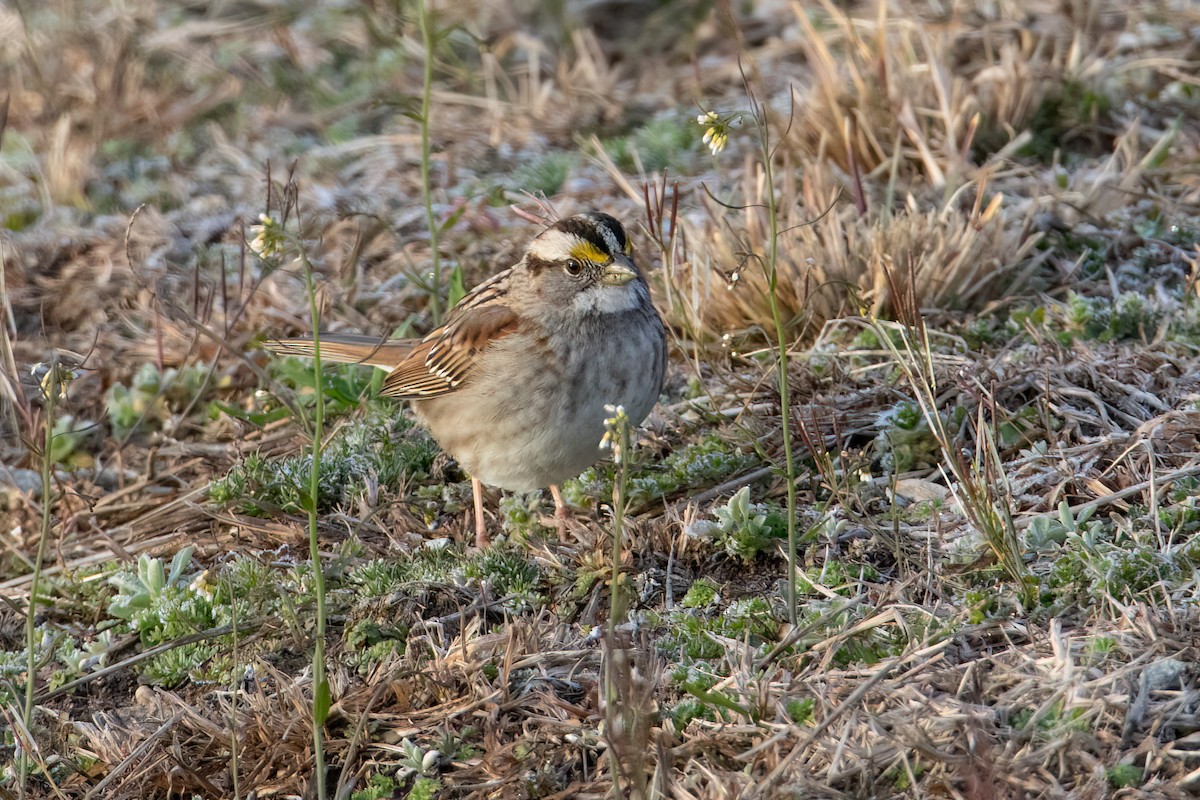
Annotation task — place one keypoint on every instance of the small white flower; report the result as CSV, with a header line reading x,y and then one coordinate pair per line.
x,y
614,426
268,237
47,374
203,585
716,134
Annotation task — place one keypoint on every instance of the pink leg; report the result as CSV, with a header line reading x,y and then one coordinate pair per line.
x,y
481,537
562,514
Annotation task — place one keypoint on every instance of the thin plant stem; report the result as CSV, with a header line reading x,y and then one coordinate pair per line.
x,y
321,699
772,270
617,615
429,40
236,690
51,387
618,430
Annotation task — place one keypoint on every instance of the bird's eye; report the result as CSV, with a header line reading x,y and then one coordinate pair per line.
x,y
574,267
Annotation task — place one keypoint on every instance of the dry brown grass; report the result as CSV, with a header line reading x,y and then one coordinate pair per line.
x,y
896,151
834,259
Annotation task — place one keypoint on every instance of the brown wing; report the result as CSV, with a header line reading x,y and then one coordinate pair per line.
x,y
440,362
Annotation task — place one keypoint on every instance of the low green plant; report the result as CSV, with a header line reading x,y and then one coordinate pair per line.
x,y
755,617
151,398
800,710
422,763
382,447
979,480
69,433
1097,562
690,708
1057,122
687,637
343,386
702,686
705,462
381,577
370,643
1127,317
143,589
544,175
905,441
743,529
511,574
379,787
1049,531
835,575
662,144
521,515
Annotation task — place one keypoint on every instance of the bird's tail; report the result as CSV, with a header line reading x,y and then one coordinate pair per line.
x,y
347,349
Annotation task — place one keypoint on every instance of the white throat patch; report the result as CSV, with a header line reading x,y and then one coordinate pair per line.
x,y
606,299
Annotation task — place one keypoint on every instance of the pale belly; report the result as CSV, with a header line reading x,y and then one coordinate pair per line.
x,y
519,425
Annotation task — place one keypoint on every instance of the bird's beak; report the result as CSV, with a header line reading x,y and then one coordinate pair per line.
x,y
619,272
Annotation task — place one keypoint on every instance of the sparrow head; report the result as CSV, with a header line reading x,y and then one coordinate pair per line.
x,y
585,261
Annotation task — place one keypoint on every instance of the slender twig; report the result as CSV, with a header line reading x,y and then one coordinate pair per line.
x,y
321,698
618,714
771,265
429,41
52,388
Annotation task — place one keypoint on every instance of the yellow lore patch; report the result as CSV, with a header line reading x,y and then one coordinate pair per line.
x,y
586,251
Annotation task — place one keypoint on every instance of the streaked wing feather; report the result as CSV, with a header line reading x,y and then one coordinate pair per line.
x,y
443,360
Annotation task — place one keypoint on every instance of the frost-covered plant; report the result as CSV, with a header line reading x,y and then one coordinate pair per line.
x,y
138,592
151,397
1047,532
743,529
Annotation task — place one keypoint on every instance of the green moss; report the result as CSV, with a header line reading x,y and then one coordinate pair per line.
x,y
1125,776
702,593
800,711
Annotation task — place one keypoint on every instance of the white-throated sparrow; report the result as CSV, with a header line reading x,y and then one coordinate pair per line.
x,y
514,384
